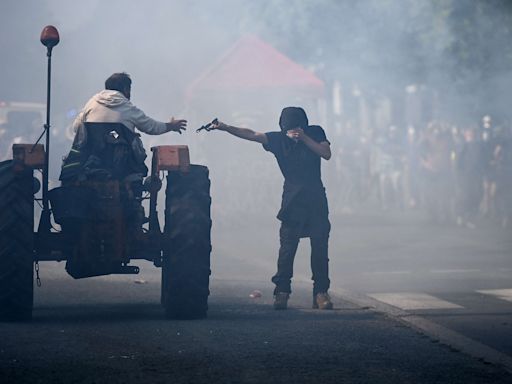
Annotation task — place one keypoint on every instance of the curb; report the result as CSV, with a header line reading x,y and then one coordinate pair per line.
x,y
433,330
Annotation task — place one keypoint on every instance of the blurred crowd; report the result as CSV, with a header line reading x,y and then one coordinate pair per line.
x,y
457,175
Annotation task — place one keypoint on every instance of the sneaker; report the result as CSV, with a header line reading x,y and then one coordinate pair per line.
x,y
322,301
281,300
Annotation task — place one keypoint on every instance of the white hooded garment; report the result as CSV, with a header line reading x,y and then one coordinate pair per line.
x,y
110,106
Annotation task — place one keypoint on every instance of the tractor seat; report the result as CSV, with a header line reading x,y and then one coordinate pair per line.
x,y
110,151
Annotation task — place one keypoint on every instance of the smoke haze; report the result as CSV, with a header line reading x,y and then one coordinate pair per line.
x,y
400,64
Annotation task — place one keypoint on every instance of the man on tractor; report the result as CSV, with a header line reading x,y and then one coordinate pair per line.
x,y
113,105
107,148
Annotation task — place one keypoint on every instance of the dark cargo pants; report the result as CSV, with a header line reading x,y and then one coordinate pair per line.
x,y
289,241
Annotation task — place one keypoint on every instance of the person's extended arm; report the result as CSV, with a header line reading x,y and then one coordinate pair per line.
x,y
243,133
322,149
150,126
176,125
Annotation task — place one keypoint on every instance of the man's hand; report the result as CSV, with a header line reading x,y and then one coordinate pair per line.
x,y
321,149
296,134
176,125
219,125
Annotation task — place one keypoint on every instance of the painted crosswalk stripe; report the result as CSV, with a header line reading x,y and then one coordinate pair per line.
x,y
387,273
448,271
504,294
409,301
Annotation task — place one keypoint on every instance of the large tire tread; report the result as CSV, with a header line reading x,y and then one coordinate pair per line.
x,y
16,243
186,264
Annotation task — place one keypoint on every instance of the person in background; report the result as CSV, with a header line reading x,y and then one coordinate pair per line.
x,y
436,167
503,159
470,176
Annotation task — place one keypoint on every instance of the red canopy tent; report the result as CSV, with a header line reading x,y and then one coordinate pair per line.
x,y
248,86
252,65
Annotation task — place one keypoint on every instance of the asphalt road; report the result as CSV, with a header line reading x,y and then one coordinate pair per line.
x,y
112,329
457,277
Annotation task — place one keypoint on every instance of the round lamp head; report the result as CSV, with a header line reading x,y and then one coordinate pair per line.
x,y
50,36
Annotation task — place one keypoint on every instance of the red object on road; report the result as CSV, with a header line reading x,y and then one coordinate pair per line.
x,y
256,294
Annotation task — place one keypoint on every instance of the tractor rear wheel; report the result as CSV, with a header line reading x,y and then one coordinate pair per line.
x,y
186,256
16,243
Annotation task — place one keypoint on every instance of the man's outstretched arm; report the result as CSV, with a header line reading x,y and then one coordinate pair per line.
x,y
243,133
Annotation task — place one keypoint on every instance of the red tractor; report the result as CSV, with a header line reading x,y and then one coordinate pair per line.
x,y
102,222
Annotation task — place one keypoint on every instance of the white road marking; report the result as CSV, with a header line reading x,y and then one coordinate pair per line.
x,y
408,301
503,294
454,270
439,271
431,329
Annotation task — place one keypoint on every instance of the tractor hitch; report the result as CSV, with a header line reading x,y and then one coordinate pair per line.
x,y
127,270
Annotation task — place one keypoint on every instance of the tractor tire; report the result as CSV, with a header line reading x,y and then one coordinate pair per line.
x,y
16,243
187,248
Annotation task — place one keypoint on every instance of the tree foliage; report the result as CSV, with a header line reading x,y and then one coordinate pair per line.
x,y
462,48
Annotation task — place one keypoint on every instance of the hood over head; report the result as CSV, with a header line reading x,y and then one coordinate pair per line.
x,y
293,117
111,98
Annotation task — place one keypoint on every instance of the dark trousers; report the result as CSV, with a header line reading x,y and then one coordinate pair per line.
x,y
289,239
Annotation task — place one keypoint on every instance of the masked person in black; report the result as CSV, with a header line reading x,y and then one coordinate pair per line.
x,y
298,149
